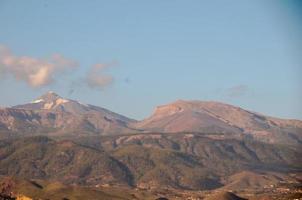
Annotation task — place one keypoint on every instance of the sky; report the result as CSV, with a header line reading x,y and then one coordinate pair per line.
x,y
131,56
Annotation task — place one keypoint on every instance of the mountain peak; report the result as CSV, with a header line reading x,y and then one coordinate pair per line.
x,y
49,100
49,96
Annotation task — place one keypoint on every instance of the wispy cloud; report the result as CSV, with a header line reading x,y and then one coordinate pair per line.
x,y
237,91
39,72
97,78
35,72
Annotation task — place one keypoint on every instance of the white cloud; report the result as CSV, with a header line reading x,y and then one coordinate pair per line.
x,y
34,71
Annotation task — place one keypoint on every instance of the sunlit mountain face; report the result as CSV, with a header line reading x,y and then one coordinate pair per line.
x,y
52,114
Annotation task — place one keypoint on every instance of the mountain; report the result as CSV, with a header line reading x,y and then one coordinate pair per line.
x,y
223,119
53,102
183,146
52,114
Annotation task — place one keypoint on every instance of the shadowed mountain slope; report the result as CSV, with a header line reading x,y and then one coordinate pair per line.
x,y
40,157
162,160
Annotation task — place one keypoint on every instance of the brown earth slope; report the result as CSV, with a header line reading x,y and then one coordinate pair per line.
x,y
220,118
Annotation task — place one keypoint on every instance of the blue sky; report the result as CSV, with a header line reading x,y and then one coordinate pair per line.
x,y
242,52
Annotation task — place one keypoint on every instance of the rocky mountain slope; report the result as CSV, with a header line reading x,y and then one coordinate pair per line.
x,y
223,119
51,114
166,161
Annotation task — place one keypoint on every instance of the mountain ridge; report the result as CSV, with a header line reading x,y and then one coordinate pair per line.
x,y
52,114
217,117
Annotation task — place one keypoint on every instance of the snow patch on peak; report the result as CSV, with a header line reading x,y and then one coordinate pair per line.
x,y
83,104
48,106
55,103
37,101
61,101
